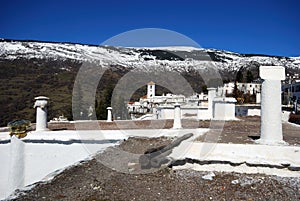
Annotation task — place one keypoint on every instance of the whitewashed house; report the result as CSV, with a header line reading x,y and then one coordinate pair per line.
x,y
195,106
251,88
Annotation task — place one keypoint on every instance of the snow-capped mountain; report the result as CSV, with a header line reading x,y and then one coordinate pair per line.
x,y
170,58
30,68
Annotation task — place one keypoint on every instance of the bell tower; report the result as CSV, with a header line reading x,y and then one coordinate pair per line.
x,y
150,89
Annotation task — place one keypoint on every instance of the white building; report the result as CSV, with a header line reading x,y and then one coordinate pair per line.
x,y
291,91
152,106
150,102
251,88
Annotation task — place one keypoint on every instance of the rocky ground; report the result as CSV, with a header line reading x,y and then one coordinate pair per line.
x,y
105,179
93,181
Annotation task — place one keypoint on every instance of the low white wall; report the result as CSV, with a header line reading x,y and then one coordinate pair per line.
x,y
250,111
189,113
223,108
186,113
224,111
166,113
254,154
41,159
247,110
254,112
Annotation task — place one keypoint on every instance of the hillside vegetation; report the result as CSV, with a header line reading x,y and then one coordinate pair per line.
x,y
30,68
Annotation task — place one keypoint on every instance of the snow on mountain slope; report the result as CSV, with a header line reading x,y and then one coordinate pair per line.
x,y
169,58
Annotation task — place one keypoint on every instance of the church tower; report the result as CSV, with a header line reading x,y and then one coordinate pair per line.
x,y
151,90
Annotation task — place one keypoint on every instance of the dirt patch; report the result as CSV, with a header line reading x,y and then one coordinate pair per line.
x,y
118,125
139,145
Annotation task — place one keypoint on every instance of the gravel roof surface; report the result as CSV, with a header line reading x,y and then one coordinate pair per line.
x,y
95,180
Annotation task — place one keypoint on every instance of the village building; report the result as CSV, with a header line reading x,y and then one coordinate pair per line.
x,y
151,103
196,106
291,90
246,88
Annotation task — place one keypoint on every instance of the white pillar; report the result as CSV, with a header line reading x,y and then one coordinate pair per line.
x,y
211,96
40,104
271,126
258,98
177,116
17,164
109,114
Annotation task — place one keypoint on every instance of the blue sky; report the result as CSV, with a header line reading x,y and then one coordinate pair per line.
x,y
266,27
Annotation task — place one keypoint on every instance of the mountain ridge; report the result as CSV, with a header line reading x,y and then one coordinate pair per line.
x,y
158,47
173,58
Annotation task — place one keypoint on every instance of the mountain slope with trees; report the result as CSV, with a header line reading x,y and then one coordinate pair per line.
x,y
29,69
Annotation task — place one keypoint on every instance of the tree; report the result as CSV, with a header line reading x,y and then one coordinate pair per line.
x,y
239,76
103,102
249,77
119,108
204,89
77,103
237,94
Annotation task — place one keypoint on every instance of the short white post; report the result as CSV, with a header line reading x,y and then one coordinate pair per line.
x,y
40,104
271,125
154,109
109,114
211,96
177,116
